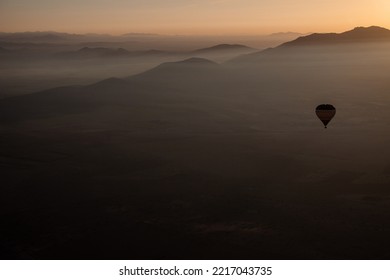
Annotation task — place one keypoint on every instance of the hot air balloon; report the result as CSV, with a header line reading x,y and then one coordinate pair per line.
x,y
325,112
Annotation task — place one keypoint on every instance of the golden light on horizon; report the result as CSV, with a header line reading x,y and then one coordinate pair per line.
x,y
192,17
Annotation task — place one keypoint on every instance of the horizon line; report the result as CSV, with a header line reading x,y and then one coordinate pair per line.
x,y
146,34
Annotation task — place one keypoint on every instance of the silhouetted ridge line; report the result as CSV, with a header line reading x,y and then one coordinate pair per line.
x,y
224,47
100,50
191,68
347,41
194,60
191,62
358,34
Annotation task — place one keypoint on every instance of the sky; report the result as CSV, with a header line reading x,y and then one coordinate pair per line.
x,y
192,17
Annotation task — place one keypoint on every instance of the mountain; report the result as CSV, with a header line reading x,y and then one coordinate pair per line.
x,y
155,83
102,52
357,35
352,41
225,48
193,61
222,52
191,68
208,53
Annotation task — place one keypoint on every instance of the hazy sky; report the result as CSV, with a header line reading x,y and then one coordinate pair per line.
x,y
206,17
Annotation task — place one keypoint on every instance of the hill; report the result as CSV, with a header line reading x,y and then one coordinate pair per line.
x,y
159,81
102,52
225,48
191,68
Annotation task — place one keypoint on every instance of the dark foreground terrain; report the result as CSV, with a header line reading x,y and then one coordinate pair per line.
x,y
197,160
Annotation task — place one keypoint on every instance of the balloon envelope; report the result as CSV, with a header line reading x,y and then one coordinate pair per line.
x,y
325,112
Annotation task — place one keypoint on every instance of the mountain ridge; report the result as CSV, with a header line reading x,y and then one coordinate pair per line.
x,y
224,47
356,35
184,68
350,39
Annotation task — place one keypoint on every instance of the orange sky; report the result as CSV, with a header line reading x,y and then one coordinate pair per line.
x,y
200,17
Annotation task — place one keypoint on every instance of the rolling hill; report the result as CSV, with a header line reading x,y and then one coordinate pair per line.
x,y
225,48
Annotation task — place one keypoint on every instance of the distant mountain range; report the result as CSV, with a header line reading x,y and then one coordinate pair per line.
x,y
172,80
49,41
54,37
349,40
89,52
357,35
225,47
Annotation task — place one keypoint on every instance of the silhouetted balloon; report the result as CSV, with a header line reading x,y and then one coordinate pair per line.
x,y
325,112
